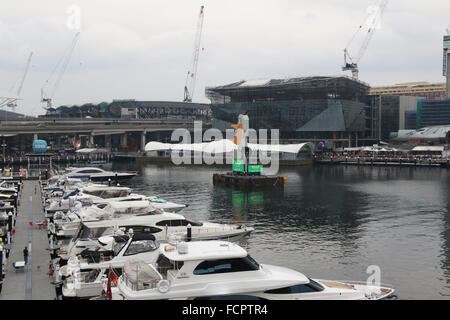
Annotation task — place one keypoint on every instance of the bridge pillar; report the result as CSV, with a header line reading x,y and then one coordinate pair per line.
x,y
91,140
143,140
123,140
108,142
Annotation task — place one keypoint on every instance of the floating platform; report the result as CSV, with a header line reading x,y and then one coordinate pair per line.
x,y
248,181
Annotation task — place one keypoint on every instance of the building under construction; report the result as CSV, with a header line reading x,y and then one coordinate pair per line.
x,y
330,109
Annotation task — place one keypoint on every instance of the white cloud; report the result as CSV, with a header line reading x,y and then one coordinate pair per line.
x,y
142,49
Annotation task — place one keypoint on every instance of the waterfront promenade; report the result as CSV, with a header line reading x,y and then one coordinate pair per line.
x,y
32,282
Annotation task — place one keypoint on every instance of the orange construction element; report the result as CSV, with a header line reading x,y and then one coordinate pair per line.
x,y
238,135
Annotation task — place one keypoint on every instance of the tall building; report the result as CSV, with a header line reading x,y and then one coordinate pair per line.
x,y
434,112
410,120
419,89
333,109
446,67
390,113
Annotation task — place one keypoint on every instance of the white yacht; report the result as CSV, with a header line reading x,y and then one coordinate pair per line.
x,y
218,270
88,194
67,225
161,224
94,195
97,174
4,220
85,272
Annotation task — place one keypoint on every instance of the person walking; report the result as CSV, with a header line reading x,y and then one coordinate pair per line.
x,y
25,255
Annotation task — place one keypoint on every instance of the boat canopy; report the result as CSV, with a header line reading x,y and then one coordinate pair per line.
x,y
107,192
138,272
118,208
204,250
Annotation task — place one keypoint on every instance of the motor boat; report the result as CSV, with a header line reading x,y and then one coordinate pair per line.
x,y
4,221
95,195
162,224
84,273
218,270
68,225
88,195
97,174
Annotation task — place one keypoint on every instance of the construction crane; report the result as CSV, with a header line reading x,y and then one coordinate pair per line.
x,y
11,102
62,64
189,86
371,22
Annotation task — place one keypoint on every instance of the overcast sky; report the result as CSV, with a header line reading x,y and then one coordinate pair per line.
x,y
141,49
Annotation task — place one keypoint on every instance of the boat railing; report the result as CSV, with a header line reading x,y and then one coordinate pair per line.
x,y
366,283
82,277
139,285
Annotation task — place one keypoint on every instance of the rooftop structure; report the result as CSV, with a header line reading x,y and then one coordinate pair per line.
x,y
420,89
204,250
288,89
433,134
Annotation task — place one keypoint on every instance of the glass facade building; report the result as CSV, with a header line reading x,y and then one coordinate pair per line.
x,y
434,112
410,120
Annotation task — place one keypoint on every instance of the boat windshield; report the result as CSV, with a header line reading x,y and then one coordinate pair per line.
x,y
117,247
252,261
226,265
316,285
95,233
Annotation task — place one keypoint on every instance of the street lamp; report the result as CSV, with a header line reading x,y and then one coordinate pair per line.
x,y
4,146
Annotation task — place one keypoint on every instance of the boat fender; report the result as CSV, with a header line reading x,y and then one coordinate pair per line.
x,y
163,286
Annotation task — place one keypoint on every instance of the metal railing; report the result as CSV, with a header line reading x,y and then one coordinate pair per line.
x,y
138,285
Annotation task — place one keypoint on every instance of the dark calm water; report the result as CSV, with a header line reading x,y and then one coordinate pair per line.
x,y
330,222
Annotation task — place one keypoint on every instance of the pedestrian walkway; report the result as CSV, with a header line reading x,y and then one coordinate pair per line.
x,y
32,282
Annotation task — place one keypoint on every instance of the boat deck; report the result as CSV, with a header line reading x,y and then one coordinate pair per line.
x,y
32,282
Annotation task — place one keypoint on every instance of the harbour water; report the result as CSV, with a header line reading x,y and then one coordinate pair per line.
x,y
330,222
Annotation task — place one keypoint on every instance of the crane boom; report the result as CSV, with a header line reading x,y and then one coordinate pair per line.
x,y
371,20
19,90
12,102
189,86
64,63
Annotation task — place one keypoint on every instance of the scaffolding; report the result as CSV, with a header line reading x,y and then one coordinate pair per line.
x,y
341,87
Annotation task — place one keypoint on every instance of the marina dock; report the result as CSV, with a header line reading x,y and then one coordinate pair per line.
x,y
386,161
31,282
